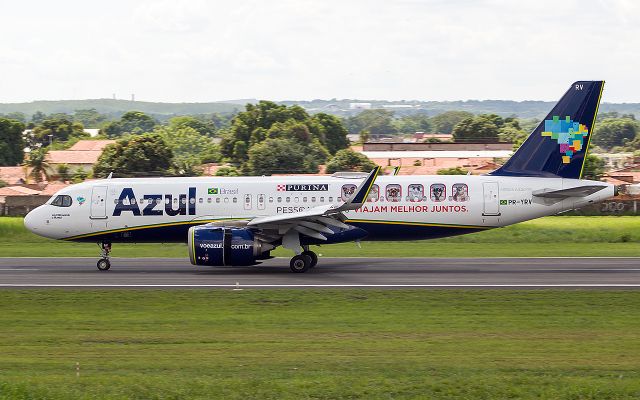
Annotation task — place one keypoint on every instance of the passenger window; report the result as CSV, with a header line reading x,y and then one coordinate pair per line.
x,y
166,200
460,192
416,192
322,199
279,199
115,201
175,200
313,199
288,199
374,193
296,199
209,200
304,199
347,191
394,193
226,199
270,199
438,192
235,199
330,199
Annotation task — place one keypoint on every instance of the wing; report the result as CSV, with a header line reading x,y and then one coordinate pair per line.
x,y
317,222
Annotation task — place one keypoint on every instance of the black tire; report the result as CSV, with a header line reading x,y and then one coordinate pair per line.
x,y
300,263
104,264
313,256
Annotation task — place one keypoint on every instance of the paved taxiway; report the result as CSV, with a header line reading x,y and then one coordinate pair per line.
x,y
331,272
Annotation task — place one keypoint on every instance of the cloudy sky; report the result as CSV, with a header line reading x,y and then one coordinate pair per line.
x,y
170,50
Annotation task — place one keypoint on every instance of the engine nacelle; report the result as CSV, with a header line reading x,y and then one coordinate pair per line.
x,y
218,246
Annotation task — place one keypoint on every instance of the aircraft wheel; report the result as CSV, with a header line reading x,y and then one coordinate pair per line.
x,y
104,264
314,257
300,263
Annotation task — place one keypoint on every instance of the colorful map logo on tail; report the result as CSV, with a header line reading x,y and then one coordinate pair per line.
x,y
569,134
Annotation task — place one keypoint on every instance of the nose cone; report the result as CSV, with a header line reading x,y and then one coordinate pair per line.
x,y
30,222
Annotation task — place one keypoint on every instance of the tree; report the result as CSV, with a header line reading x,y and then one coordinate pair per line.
x,y
349,160
444,123
188,147
11,142
377,122
280,156
3,183
37,161
335,133
186,121
79,175
594,168
475,129
364,136
90,118
38,117
16,115
139,155
227,171
452,171
63,172
240,151
413,123
269,121
58,128
512,134
133,122
615,132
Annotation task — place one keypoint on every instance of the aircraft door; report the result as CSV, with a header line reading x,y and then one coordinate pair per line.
x,y
99,202
491,198
247,202
261,202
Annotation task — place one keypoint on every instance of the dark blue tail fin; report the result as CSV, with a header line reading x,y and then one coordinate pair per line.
x,y
558,146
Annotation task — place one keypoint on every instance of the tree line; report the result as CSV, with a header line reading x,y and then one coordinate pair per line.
x,y
265,138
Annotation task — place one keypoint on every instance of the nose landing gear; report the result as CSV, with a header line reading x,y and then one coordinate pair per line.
x,y
104,263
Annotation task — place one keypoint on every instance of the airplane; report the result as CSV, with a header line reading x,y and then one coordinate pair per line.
x,y
237,221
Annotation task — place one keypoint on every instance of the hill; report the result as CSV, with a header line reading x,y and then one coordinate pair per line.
x,y
522,109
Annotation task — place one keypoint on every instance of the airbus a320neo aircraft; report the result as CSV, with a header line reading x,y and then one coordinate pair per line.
x,y
237,221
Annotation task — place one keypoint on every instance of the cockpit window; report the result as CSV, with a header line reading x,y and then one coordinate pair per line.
x,y
62,200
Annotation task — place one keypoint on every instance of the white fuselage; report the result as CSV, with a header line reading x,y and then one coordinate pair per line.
x,y
160,209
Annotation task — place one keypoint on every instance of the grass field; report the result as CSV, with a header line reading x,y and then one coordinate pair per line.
x,y
551,236
319,344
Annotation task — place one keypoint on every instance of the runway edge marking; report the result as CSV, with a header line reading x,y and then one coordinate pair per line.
x,y
142,285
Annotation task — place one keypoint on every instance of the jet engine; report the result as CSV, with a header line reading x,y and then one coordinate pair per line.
x,y
218,246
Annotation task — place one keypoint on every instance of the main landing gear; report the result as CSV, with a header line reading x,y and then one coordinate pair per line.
x,y
104,263
303,261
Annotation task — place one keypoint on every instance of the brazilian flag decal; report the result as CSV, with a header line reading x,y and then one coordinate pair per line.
x,y
212,191
503,202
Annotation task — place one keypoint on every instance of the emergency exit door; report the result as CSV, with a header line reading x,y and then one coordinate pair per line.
x,y
99,202
491,198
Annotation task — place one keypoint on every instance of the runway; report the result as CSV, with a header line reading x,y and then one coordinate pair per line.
x,y
330,273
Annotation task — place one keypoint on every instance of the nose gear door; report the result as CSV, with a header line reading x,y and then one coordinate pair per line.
x,y
99,202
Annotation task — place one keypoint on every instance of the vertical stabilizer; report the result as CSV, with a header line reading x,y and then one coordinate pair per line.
x,y
558,146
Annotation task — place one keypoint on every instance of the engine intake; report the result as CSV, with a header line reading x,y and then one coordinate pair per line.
x,y
219,246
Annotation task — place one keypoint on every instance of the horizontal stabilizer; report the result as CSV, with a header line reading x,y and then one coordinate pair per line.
x,y
579,191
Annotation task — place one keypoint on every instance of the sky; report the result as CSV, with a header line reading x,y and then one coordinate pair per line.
x,y
200,51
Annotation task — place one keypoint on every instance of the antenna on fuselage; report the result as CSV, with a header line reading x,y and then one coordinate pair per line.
x,y
110,175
